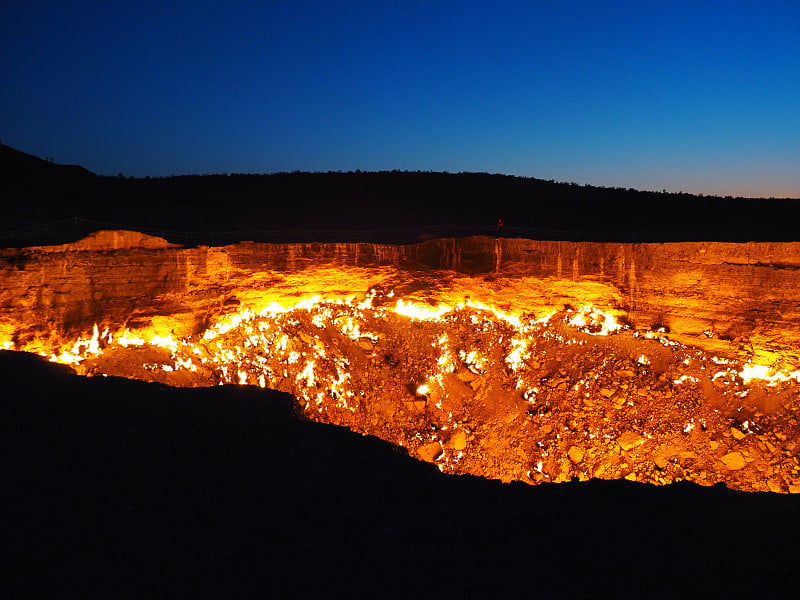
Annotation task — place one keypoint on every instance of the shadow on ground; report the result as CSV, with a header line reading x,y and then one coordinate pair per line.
x,y
118,488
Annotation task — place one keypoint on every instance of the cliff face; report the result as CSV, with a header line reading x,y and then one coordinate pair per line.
x,y
729,298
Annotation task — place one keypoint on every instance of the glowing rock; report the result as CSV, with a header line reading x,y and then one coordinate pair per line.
x,y
430,452
459,440
734,461
575,454
629,439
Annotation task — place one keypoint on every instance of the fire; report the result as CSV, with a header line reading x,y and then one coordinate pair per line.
x,y
478,388
420,312
752,372
81,348
126,339
594,321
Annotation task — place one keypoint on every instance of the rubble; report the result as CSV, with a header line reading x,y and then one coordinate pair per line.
x,y
476,390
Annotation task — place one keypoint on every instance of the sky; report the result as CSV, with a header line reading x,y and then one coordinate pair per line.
x,y
700,97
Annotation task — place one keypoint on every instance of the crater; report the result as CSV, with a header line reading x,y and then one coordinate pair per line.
x,y
481,355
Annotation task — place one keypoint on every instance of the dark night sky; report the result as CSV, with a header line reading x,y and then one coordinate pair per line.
x,y
700,97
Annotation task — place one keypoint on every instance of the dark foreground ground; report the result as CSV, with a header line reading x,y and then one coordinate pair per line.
x,y
121,489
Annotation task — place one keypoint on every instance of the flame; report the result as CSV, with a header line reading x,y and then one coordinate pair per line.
x,y
420,312
164,342
307,374
545,319
268,348
512,319
594,321
82,348
764,373
587,319
126,339
348,317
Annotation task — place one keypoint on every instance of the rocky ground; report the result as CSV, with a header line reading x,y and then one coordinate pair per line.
x,y
534,398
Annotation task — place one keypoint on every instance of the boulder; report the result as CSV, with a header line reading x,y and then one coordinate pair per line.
x,y
459,440
575,454
430,452
629,440
734,461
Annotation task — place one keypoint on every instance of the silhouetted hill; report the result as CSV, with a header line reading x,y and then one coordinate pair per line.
x,y
117,488
19,167
35,191
392,205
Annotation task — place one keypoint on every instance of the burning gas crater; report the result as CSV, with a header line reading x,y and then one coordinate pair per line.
x,y
475,389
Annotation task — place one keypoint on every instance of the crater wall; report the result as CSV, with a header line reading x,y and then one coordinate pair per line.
x,y
741,299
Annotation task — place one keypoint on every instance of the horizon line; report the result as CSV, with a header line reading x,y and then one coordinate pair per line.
x,y
358,171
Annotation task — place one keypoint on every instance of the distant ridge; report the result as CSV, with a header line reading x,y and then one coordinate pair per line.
x,y
18,167
386,206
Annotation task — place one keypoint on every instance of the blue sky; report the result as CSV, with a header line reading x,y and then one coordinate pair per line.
x,y
700,97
